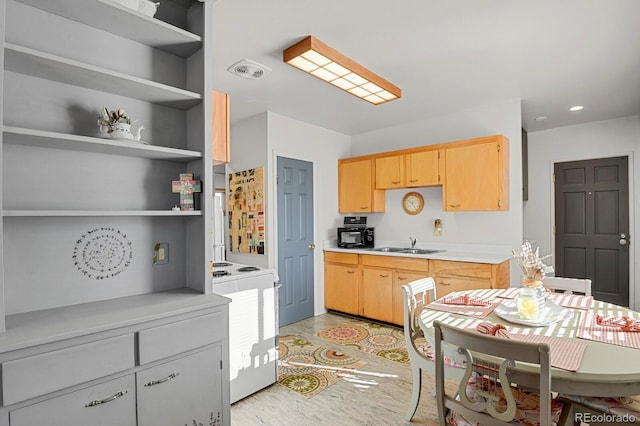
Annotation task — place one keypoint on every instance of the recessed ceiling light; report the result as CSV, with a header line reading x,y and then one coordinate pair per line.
x,y
541,118
576,108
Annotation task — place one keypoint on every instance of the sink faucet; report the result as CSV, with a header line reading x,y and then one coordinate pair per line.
x,y
413,242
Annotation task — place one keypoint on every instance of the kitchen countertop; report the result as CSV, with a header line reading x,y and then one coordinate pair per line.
x,y
456,253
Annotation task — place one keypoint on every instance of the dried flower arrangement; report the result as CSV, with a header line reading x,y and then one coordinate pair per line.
x,y
531,265
111,118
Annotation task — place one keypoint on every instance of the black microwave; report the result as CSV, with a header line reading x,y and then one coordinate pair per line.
x,y
355,237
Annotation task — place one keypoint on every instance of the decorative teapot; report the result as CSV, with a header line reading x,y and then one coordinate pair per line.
x,y
117,125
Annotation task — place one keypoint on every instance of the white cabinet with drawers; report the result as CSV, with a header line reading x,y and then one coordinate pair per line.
x,y
154,360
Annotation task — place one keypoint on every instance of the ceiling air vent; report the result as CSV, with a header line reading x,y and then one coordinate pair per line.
x,y
249,69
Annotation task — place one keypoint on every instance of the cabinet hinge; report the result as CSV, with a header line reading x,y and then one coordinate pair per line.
x,y
498,147
499,203
438,155
220,364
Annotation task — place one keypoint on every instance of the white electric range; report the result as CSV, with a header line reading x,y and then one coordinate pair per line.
x,y
253,325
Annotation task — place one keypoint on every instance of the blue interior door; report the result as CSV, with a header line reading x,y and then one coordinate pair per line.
x,y
295,239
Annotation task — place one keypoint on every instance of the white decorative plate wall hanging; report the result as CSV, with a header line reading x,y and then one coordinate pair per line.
x,y
102,253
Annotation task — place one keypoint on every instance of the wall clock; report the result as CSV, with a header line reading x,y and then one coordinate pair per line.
x,y
412,203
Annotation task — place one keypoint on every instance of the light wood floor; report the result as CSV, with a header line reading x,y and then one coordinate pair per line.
x,y
381,397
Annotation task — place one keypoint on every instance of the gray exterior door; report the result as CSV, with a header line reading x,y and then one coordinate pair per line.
x,y
592,225
295,239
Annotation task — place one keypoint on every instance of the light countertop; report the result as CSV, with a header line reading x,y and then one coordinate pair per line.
x,y
457,252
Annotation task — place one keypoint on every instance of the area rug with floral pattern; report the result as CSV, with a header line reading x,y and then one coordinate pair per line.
x,y
308,369
384,341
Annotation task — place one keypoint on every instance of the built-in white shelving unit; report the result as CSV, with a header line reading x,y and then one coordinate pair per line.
x,y
82,215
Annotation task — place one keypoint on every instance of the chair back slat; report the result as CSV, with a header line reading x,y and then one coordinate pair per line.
x,y
568,285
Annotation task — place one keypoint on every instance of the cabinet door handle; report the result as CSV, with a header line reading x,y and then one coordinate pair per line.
x,y
395,182
445,283
364,207
384,275
402,278
104,401
159,381
351,272
413,180
454,205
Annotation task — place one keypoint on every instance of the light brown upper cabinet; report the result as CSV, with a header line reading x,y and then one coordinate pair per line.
x,y
424,168
390,172
477,175
356,193
220,131
415,169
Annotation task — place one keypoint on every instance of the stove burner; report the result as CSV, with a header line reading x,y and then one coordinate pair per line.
x,y
248,269
221,264
221,273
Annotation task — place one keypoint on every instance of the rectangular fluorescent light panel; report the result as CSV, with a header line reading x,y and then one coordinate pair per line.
x,y
316,58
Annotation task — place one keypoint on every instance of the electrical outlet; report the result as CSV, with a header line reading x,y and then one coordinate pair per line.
x,y
161,254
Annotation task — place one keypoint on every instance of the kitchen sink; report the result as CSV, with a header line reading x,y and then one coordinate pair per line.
x,y
406,250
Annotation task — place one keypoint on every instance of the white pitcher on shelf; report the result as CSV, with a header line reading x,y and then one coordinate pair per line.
x,y
117,125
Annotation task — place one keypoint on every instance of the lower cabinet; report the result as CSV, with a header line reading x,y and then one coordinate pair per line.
x,y
376,293
401,278
108,404
341,280
453,276
171,371
185,391
371,285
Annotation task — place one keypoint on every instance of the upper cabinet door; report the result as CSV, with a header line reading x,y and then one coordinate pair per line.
x,y
423,168
477,175
390,172
355,188
220,133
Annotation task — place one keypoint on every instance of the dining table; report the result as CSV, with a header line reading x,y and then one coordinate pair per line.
x,y
593,360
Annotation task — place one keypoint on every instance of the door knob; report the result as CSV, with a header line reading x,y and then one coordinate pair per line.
x,y
623,239
312,246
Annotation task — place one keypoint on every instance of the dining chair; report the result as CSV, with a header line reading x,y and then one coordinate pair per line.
x,y
568,285
490,391
416,295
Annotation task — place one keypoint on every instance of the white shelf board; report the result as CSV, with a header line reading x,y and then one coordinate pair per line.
x,y
125,22
96,213
45,139
39,64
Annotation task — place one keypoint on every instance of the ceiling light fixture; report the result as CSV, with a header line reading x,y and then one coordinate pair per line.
x,y
316,58
576,108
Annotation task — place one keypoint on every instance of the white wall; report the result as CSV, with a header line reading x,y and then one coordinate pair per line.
x,y
600,139
303,141
501,228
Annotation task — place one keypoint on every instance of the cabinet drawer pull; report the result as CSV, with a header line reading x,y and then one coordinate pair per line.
x,y
351,272
454,205
395,182
402,278
166,379
384,275
443,283
413,180
104,401
364,207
